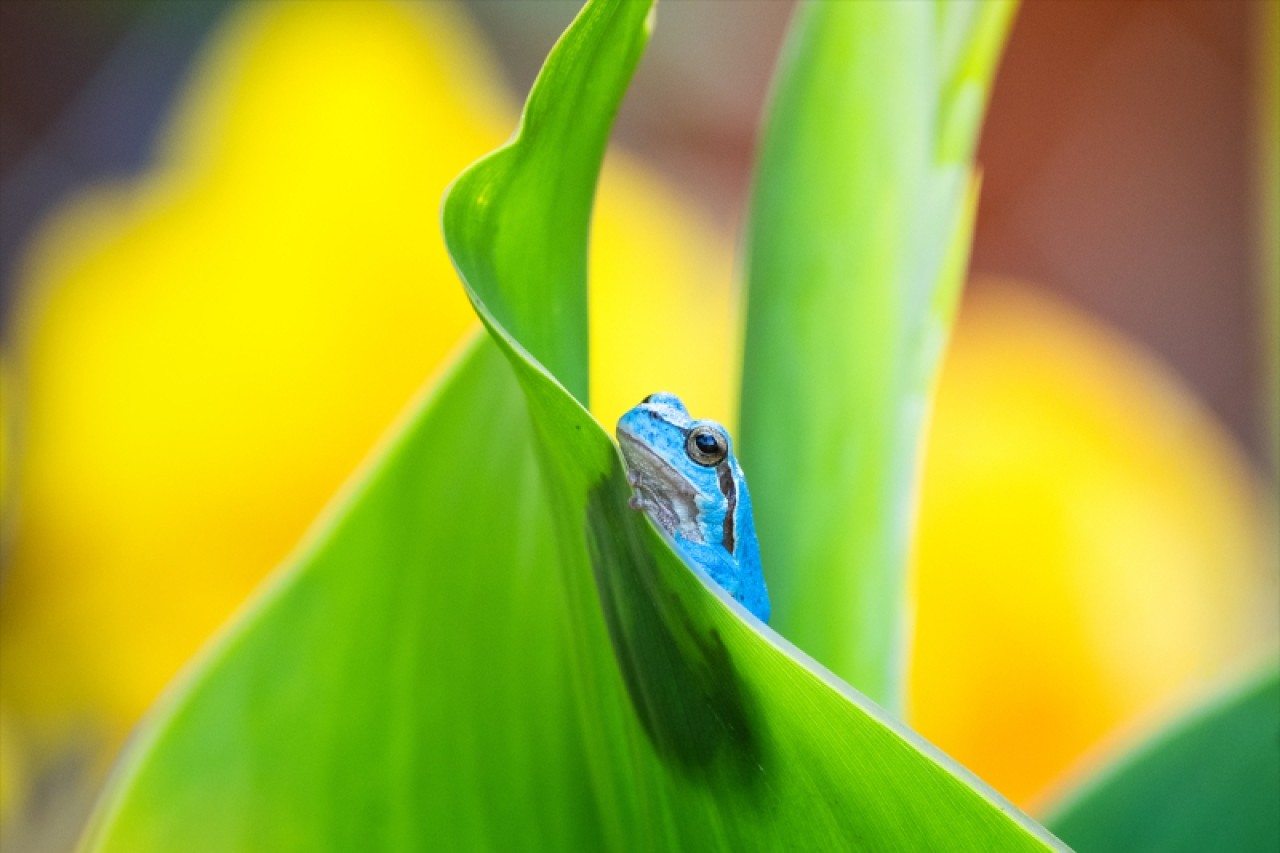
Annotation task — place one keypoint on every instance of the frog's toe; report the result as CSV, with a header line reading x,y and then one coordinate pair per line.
x,y
635,502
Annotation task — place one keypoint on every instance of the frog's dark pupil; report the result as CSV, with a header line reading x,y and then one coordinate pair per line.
x,y
706,443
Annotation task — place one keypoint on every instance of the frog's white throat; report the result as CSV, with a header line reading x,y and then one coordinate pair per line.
x,y
660,490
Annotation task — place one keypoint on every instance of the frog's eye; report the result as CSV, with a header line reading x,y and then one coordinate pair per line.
x,y
706,445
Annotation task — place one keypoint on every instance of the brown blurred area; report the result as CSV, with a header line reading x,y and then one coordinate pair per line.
x,y
1118,155
1119,171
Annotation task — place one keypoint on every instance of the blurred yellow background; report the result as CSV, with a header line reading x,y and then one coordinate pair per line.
x,y
197,358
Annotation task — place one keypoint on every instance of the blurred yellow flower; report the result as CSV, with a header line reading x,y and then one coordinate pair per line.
x,y
1089,544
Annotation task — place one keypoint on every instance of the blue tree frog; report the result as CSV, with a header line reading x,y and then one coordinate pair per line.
x,y
686,478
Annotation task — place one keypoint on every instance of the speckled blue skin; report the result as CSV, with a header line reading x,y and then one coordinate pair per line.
x,y
691,501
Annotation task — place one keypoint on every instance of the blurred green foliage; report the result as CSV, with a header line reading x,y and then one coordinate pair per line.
x,y
1209,782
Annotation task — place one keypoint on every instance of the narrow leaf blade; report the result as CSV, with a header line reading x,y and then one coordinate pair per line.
x,y
857,245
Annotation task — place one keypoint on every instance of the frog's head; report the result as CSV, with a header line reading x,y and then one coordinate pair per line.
x,y
682,469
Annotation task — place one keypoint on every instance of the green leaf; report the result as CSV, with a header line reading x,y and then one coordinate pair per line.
x,y
483,647
1211,781
860,225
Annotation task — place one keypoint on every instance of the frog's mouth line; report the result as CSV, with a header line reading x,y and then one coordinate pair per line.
x,y
667,496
